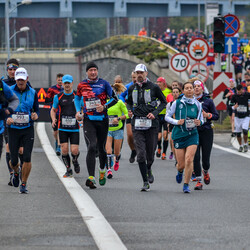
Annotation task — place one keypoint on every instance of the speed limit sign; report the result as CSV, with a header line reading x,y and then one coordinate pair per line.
x,y
179,62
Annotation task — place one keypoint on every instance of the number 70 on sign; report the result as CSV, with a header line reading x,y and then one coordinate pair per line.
x,y
179,62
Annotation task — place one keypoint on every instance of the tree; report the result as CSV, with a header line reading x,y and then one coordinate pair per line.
x,y
88,30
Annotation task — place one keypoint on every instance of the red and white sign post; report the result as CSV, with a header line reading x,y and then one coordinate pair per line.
x,y
221,82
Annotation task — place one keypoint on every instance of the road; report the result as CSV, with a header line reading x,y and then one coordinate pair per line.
x,y
164,218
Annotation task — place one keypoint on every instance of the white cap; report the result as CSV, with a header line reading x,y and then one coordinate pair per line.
x,y
140,67
21,73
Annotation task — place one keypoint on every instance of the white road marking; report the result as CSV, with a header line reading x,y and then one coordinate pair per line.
x,y
104,235
236,146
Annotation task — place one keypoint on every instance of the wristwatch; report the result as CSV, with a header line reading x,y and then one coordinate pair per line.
x,y
119,118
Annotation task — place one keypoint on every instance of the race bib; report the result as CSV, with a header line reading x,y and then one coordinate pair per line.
x,y
223,63
211,54
20,119
190,123
91,104
111,119
242,109
238,61
68,121
143,123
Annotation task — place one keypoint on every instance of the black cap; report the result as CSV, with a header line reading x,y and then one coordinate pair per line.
x,y
91,65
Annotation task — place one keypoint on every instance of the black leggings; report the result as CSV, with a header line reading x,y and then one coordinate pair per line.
x,y
206,138
21,137
95,133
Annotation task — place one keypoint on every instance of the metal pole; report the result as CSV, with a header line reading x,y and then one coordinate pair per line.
x,y
199,17
68,34
14,33
205,23
7,28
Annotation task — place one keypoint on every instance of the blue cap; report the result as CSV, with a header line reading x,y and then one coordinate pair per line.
x,y
67,78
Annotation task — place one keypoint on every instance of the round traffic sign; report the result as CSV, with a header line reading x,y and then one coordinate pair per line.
x,y
179,62
200,70
232,25
198,49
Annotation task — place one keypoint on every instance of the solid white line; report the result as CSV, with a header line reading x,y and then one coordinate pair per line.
x,y
246,155
104,235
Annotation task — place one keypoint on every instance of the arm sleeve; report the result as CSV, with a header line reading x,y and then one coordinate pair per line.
x,y
36,105
213,111
55,102
124,110
170,113
225,93
123,95
78,101
113,98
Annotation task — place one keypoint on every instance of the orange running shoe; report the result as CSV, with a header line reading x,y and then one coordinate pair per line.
x,y
198,186
163,156
206,178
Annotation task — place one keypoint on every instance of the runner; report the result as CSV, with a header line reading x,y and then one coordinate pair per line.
x,y
67,125
21,127
206,135
117,114
95,92
176,93
54,90
143,106
130,138
188,115
8,103
12,66
241,116
228,93
161,82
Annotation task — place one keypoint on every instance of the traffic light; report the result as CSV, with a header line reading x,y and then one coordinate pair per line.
x,y
219,34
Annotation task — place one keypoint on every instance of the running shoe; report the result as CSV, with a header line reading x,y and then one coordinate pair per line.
x,y
186,188
90,182
163,156
171,156
15,180
193,177
58,150
179,177
132,156
10,182
150,176
69,173
109,174
206,178
76,167
240,149
245,148
145,187
116,166
158,153
102,177
23,189
198,186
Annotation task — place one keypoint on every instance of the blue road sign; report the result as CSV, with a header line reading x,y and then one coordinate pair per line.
x,y
232,25
230,45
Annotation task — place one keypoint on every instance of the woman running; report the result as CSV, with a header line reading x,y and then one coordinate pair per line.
x,y
188,115
206,135
117,114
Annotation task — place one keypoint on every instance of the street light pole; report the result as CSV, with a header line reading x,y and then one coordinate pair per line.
x,y
7,22
7,28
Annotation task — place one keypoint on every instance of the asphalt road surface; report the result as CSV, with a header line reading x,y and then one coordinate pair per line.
x,y
216,217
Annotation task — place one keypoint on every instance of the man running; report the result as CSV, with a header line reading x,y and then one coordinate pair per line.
x,y
54,90
95,92
21,127
143,107
67,125
130,138
241,116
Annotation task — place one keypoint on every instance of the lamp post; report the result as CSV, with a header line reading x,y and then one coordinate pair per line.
x,y
23,29
7,22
